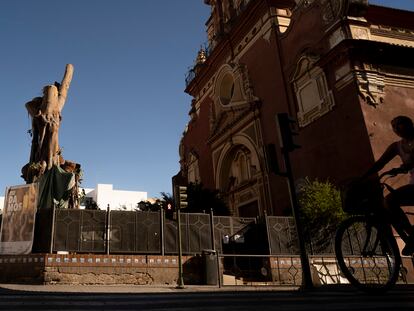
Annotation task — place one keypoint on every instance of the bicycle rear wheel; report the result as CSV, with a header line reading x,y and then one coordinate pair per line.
x,y
367,255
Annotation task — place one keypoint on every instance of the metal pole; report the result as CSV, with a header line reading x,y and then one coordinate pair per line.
x,y
162,217
180,281
269,244
108,228
213,241
307,277
53,230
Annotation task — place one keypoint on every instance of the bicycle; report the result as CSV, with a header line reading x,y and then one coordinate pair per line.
x,y
365,247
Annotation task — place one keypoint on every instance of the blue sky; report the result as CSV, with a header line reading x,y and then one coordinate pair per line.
x,y
126,109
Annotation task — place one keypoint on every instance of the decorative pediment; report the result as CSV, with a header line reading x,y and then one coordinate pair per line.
x,y
227,119
233,97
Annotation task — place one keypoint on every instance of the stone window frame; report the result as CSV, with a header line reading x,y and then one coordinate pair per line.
x,y
310,83
232,87
193,170
241,165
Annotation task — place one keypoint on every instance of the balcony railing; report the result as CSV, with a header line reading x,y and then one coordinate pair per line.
x,y
208,47
189,76
203,54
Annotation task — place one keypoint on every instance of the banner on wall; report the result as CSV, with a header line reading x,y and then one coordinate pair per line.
x,y
18,220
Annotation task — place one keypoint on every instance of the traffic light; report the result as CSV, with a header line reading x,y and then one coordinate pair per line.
x,y
286,133
182,197
169,212
271,158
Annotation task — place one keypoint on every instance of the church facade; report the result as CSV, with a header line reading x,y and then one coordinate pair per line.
x,y
341,68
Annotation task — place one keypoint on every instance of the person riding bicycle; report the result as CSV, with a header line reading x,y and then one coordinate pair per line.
x,y
403,196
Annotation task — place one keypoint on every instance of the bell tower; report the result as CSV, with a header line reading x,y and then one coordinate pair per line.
x,y
222,14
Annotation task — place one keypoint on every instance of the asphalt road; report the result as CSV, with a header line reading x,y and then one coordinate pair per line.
x,y
335,298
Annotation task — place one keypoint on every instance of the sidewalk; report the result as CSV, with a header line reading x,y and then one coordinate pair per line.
x,y
153,289
128,289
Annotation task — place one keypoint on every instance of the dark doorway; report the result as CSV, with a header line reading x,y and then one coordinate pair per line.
x,y
249,210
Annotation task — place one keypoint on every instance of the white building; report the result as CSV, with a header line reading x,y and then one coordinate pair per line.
x,y
104,194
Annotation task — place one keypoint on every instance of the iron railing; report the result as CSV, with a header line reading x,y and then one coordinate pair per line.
x,y
151,233
206,48
249,251
260,270
123,232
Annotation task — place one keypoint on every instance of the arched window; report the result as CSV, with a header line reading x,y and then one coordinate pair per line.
x,y
240,167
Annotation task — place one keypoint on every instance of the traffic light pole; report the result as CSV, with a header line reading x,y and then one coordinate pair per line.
x,y
180,195
307,277
287,143
180,281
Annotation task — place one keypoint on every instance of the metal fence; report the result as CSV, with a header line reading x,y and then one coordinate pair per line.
x,y
250,251
257,270
95,231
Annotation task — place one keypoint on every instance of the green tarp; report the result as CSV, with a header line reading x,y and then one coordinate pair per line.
x,y
54,188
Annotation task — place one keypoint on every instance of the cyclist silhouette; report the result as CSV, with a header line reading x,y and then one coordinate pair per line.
x,y
403,196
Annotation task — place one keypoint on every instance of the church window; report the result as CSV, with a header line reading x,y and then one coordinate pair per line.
x,y
240,167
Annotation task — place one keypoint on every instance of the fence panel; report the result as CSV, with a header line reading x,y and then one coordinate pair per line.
x,y
324,247
195,234
79,231
93,231
123,232
282,235
170,235
135,232
199,232
148,233
229,231
67,230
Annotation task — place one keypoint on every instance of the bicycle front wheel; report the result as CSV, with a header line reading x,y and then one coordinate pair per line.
x,y
367,254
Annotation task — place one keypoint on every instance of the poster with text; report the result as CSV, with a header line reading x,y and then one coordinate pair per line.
x,y
17,226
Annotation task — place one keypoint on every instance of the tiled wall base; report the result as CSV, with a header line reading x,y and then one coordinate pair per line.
x,y
98,269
